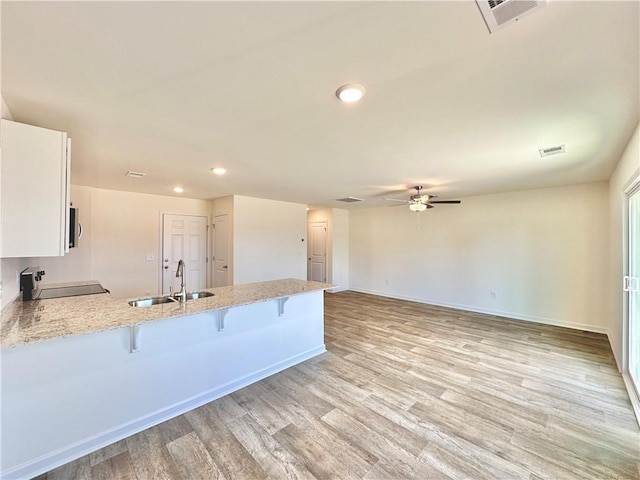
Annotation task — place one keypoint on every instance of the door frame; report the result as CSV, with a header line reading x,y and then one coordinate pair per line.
x,y
633,390
161,244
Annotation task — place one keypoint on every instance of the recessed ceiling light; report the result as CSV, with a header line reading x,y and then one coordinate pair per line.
x,y
351,92
219,170
178,189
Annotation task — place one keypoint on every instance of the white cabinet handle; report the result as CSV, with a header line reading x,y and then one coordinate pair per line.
x,y
625,283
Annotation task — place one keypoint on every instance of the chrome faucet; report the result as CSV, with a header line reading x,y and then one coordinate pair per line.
x,y
182,294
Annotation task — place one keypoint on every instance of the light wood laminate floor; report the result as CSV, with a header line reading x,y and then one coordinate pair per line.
x,y
405,391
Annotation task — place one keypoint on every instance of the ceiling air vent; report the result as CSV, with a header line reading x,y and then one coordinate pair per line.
x,y
545,152
349,199
134,174
500,13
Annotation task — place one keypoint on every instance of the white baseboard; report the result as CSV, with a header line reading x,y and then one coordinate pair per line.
x,y
614,350
71,452
498,313
633,396
336,289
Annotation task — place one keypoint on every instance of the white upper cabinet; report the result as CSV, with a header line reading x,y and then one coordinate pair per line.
x,y
35,191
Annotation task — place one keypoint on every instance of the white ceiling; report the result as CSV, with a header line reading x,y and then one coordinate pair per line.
x,y
175,88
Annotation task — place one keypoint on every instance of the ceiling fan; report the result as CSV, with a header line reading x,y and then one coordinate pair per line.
x,y
419,201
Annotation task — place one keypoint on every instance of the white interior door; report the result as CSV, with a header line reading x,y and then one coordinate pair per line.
x,y
632,286
184,237
317,250
221,249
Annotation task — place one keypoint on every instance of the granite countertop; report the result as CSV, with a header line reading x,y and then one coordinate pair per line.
x,y
29,322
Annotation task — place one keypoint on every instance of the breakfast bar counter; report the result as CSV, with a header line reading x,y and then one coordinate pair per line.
x,y
80,373
34,321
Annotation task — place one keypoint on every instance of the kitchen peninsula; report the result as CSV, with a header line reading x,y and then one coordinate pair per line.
x,y
80,373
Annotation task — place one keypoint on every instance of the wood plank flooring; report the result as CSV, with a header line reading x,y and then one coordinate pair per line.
x,y
405,391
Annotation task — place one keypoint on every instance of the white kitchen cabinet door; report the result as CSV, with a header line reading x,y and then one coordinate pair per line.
x,y
35,191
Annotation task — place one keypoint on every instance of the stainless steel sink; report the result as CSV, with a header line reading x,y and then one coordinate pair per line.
x,y
194,295
147,302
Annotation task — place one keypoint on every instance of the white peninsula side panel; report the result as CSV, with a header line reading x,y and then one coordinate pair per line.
x,y
65,397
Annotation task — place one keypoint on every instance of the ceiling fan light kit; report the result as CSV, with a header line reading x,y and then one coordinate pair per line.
x,y
417,206
419,201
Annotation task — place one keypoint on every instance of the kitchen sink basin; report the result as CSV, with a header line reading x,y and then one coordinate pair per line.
x,y
147,302
194,295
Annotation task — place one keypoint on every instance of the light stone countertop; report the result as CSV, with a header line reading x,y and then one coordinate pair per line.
x,y
22,323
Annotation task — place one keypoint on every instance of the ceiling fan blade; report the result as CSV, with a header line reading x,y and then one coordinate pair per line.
x,y
445,201
395,200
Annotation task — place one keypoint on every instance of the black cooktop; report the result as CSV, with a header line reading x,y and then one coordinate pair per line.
x,y
71,291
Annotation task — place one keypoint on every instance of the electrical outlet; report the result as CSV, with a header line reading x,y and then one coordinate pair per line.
x,y
494,294
150,257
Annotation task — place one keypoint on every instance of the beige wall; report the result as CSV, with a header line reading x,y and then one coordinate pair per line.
x,y
627,170
268,240
544,253
340,250
125,227
6,114
119,230
10,268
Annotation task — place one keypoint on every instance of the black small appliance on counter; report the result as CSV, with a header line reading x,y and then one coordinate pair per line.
x,y
29,279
